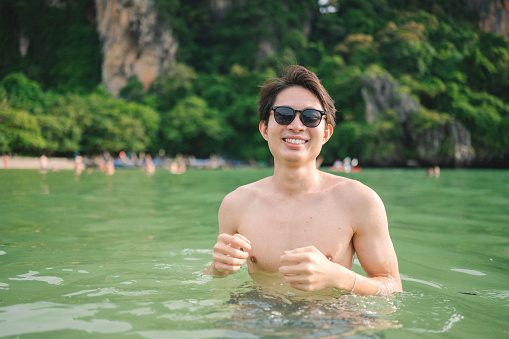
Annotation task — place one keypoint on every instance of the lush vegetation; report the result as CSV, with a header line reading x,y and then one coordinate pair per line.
x,y
51,101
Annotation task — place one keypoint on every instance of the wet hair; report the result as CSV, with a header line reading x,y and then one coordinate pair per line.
x,y
295,76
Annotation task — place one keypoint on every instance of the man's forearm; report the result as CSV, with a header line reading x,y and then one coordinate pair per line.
x,y
381,285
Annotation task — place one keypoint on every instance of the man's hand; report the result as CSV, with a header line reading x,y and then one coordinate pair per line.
x,y
308,269
230,253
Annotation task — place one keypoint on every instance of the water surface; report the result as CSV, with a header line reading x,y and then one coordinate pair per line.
x,y
123,256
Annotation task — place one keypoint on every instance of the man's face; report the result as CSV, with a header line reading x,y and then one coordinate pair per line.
x,y
296,142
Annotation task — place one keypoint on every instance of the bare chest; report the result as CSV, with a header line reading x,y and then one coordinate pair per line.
x,y
273,228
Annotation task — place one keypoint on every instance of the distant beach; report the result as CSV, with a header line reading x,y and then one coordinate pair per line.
x,y
54,163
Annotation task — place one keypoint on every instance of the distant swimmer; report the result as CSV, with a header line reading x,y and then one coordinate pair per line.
x,y
78,164
149,167
43,164
110,166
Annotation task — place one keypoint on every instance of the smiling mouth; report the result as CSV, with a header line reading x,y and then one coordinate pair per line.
x,y
295,141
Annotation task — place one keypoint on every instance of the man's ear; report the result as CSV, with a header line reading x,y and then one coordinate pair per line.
x,y
328,133
263,129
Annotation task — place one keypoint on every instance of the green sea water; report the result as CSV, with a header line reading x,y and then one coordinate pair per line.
x,y
97,256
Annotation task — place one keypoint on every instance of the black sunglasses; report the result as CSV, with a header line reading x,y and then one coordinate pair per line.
x,y
310,117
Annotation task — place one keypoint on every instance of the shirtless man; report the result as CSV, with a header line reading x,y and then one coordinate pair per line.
x,y
303,224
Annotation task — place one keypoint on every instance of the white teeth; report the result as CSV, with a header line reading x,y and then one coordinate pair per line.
x,y
295,141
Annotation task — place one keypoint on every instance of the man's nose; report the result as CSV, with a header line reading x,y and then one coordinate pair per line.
x,y
296,124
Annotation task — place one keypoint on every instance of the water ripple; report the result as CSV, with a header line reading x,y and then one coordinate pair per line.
x,y
110,290
470,272
31,276
44,316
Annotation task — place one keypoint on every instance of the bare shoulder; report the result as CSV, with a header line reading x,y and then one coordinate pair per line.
x,y
352,190
234,203
363,203
245,193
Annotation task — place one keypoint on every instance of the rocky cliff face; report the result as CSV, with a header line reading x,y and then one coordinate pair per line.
x,y
133,42
381,92
446,145
446,142
493,15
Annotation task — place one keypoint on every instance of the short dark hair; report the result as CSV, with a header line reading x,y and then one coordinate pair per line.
x,y
295,76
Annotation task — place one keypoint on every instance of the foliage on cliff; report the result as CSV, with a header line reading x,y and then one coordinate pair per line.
x,y
61,45
434,51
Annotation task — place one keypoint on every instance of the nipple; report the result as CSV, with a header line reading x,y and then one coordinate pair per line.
x,y
253,259
329,257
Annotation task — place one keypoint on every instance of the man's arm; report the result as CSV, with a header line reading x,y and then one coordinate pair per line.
x,y
231,248
374,247
308,269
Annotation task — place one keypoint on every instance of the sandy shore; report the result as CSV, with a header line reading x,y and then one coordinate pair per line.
x,y
34,163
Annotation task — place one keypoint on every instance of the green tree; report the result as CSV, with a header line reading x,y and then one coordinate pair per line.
x,y
171,87
107,127
21,91
192,127
133,90
20,132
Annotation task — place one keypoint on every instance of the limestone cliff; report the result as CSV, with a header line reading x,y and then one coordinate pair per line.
x,y
493,15
444,142
133,42
381,92
445,145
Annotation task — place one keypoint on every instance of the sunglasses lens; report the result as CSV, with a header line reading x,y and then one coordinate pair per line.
x,y
311,117
284,115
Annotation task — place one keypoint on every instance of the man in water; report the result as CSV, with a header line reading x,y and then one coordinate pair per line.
x,y
303,224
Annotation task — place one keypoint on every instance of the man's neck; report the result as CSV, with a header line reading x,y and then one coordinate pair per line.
x,y
295,180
